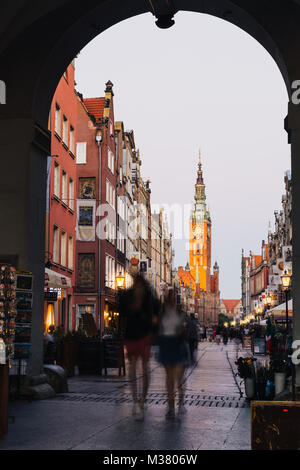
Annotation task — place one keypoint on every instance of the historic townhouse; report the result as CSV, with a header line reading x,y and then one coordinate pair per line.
x,y
61,207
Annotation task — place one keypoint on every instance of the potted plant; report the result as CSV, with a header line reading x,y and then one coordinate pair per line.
x,y
279,366
245,366
263,380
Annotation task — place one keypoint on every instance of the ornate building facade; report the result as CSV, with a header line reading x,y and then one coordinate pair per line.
x,y
203,286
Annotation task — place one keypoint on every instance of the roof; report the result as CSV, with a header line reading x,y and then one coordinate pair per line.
x,y
257,260
230,304
95,106
185,277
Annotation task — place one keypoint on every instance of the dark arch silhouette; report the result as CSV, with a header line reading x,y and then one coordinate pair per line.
x,y
37,42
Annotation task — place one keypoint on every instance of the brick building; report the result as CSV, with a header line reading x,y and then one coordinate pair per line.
x,y
61,207
96,247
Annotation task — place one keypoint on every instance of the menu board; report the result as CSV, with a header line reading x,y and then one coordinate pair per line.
x,y
259,346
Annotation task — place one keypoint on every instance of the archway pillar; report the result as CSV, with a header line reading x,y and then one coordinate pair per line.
x,y
23,149
293,129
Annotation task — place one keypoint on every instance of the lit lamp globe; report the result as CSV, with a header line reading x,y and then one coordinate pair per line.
x,y
286,281
120,281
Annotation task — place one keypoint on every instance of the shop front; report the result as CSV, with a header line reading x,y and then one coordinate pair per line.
x,y
57,300
111,316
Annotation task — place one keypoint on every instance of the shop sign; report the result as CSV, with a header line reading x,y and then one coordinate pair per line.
x,y
50,296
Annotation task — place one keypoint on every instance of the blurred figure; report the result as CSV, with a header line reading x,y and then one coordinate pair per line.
x,y
225,335
50,346
138,309
192,336
210,334
173,351
237,340
218,334
201,333
214,333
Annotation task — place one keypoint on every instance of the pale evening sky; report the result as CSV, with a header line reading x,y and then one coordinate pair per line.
x,y
203,83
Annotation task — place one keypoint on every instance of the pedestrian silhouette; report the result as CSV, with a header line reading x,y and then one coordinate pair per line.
x,y
138,310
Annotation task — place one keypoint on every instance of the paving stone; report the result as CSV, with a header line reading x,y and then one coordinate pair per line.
x,y
89,417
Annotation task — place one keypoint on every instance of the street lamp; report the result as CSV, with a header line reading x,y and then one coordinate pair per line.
x,y
120,281
286,284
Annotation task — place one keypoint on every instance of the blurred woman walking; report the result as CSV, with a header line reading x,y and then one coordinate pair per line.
x,y
173,351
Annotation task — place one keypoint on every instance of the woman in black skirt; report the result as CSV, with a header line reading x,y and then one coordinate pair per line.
x,y
173,351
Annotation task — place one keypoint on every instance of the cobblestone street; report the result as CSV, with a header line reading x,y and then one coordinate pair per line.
x,y
96,412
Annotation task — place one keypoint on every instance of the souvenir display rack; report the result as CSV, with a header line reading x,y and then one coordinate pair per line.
x,y
22,339
7,312
7,331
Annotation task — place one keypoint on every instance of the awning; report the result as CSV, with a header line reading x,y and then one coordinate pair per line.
x,y
56,280
280,310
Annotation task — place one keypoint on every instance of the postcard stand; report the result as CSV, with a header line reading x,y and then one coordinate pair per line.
x,y
22,343
7,331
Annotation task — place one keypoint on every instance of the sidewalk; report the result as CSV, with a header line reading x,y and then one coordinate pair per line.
x,y
96,412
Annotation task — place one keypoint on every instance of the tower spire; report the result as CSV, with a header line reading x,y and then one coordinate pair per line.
x,y
199,173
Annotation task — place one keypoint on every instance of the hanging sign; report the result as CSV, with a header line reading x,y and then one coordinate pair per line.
x,y
287,254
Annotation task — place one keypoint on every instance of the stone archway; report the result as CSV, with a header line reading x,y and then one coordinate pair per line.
x,y
37,42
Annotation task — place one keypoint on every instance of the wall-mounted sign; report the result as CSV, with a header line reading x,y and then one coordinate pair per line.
x,y
144,266
287,254
50,296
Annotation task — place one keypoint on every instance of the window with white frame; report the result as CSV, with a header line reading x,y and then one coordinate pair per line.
x,y
110,160
65,130
64,194
57,119
55,244
56,179
110,272
81,152
121,242
110,232
70,252
63,245
71,194
107,191
110,194
72,140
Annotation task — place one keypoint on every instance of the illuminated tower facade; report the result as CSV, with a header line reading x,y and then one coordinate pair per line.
x,y
200,235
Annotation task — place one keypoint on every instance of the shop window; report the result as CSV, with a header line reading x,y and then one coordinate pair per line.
x,y
83,309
